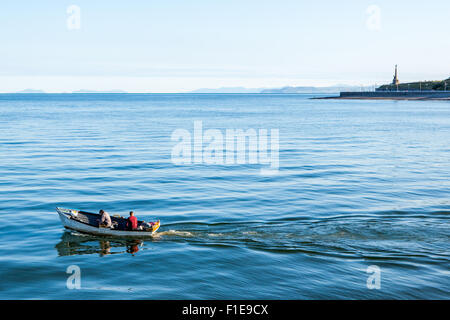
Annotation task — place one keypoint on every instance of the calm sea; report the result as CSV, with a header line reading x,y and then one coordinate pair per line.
x,y
360,184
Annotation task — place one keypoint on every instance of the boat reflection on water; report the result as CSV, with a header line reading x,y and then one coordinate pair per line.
x,y
79,244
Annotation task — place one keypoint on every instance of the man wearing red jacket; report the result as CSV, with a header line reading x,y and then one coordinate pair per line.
x,y
132,222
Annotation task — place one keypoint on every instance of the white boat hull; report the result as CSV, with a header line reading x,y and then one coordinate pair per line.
x,y
73,224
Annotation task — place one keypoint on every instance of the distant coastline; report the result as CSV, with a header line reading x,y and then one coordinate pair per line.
x,y
37,91
242,90
285,90
427,90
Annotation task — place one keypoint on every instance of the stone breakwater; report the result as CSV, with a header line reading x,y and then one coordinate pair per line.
x,y
393,95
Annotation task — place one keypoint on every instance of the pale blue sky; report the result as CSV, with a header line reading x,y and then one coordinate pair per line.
x,y
175,46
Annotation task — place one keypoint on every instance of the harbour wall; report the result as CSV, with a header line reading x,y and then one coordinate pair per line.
x,y
396,94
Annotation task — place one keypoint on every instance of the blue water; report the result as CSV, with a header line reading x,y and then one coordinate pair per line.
x,y
360,183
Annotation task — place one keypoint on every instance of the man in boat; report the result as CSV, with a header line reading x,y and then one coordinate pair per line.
x,y
105,219
132,222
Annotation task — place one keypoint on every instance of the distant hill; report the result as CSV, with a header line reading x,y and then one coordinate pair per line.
x,y
331,89
418,85
228,90
30,91
94,91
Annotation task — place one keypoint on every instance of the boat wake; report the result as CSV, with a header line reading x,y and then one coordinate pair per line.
x,y
173,233
390,236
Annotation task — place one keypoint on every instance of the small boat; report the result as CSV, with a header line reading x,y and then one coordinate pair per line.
x,y
87,222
